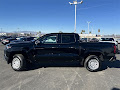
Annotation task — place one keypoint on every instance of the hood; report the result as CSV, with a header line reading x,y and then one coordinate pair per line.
x,y
22,43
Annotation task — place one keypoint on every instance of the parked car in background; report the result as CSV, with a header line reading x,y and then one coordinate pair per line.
x,y
1,37
94,40
118,40
8,40
4,37
83,39
22,39
111,40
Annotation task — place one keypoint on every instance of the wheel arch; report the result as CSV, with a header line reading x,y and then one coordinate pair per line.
x,y
17,52
98,54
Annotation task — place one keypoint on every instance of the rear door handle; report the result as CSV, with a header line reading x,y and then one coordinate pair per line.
x,y
71,47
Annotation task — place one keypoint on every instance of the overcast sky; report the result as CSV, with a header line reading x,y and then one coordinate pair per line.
x,y
57,15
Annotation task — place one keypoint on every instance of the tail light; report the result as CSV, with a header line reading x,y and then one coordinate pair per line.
x,y
114,49
7,40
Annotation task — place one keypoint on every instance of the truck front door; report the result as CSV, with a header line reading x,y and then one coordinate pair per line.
x,y
47,49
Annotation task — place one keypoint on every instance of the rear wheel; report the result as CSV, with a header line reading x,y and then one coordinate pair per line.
x,y
92,63
18,63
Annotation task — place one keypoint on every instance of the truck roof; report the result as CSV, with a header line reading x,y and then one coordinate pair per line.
x,y
62,33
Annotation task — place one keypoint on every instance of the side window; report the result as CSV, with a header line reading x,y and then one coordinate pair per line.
x,y
49,39
68,39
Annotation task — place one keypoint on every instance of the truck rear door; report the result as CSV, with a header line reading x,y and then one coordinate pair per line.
x,y
69,47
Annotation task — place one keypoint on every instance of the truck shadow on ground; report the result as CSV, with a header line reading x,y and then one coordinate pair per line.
x,y
113,64
37,65
115,89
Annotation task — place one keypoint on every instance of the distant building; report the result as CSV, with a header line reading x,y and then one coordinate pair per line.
x,y
3,34
90,36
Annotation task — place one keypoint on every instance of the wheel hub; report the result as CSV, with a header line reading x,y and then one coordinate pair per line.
x,y
93,64
16,63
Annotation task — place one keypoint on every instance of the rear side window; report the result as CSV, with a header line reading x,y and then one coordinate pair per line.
x,y
68,39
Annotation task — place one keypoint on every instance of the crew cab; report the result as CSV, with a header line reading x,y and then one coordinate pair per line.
x,y
60,47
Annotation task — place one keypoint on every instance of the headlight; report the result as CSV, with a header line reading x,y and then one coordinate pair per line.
x,y
8,47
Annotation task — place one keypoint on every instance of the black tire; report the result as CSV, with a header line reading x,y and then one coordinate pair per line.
x,y
21,60
3,43
96,63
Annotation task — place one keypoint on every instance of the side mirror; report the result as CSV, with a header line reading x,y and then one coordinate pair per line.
x,y
37,42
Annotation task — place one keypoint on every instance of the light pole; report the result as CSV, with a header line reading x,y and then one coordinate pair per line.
x,y
75,3
1,30
88,30
88,26
18,32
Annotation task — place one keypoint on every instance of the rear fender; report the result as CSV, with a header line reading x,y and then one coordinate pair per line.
x,y
98,54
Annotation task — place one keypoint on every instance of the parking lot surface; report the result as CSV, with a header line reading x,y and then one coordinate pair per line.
x,y
59,78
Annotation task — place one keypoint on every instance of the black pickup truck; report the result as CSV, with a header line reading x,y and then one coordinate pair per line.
x,y
59,47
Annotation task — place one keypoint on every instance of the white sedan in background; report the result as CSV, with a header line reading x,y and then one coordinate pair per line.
x,y
118,40
111,40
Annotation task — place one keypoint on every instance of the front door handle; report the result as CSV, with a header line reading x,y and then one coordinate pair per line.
x,y
39,47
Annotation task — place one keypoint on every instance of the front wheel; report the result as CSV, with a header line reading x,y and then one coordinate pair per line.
x,y
92,63
18,63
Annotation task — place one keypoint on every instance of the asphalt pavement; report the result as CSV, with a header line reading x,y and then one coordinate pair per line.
x,y
59,78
